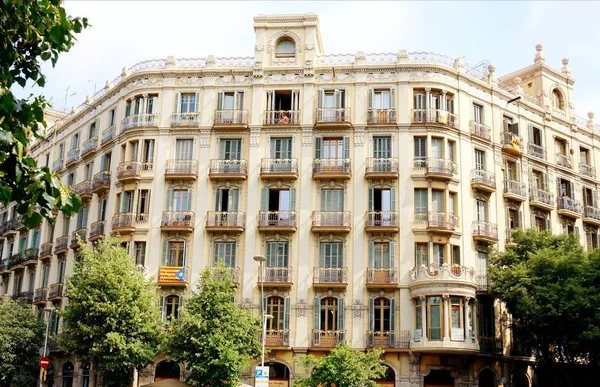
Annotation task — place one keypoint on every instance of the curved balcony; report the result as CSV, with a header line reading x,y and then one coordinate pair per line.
x,y
481,131
485,232
381,116
40,296
126,222
537,151
569,207
72,157
231,119
177,221
434,116
483,180
382,221
442,279
333,118
173,276
11,227
512,143
228,169
541,198
438,222
587,170
26,297
443,169
46,251
89,146
78,238
331,221
277,277
279,168
281,117
327,339
564,160
84,190
16,261
57,165
182,169
330,277
101,182
55,291
108,134
97,230
332,169
139,121
62,245
276,338
185,120
30,256
129,171
388,339
277,221
225,221
382,168
382,277
514,190
483,283
591,215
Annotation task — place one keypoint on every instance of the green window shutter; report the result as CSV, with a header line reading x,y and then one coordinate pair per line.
x,y
392,98
162,308
179,306
177,103
286,312
371,195
392,259
322,255
320,99
392,321
220,98
318,147
264,199
165,255
234,195
530,133
371,314
265,303
340,322
346,147
371,98
197,102
317,313
371,254
169,199
292,199
188,206
393,199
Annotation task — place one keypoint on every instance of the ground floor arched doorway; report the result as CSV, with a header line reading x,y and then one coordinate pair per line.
x,y
520,379
279,374
389,378
487,378
166,370
439,378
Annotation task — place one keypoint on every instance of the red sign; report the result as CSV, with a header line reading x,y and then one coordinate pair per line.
x,y
44,362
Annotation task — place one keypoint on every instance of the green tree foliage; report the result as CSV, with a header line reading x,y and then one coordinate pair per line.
x,y
21,337
31,31
551,288
212,336
112,319
343,367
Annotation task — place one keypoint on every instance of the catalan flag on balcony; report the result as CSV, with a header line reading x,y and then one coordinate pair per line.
x,y
516,143
171,274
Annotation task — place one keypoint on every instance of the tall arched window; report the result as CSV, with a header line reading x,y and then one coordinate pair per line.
x,y
171,307
67,374
275,309
285,49
557,100
85,375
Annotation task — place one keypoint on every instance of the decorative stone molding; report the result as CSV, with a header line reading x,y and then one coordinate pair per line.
x,y
359,135
307,136
301,308
357,308
309,68
204,140
255,136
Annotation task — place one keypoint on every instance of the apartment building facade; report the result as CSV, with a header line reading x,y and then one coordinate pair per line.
x,y
375,185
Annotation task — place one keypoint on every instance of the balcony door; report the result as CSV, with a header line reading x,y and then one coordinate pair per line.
x,y
279,203
331,256
281,148
382,202
231,149
436,148
277,254
184,149
480,210
174,253
178,200
382,150
381,255
227,200
332,200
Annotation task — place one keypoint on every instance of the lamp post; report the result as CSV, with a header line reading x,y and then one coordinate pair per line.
x,y
48,310
261,260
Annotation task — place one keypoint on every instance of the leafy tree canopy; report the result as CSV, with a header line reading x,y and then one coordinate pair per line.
x,y
212,336
551,288
31,31
112,319
21,337
343,367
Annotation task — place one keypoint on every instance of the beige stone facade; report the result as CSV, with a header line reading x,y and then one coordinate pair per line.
x,y
374,184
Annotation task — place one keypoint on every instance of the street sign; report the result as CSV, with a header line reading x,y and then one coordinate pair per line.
x,y
261,377
44,362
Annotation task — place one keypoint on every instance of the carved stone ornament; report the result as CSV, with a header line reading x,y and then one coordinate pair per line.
x,y
301,308
358,308
204,139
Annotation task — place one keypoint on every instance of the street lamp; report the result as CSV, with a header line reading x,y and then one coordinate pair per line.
x,y
261,259
48,310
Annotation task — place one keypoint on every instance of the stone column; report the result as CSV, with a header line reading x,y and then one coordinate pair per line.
x,y
423,318
446,322
468,326
427,98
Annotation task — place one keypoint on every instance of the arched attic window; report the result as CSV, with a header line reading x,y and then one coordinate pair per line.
x,y
557,100
285,48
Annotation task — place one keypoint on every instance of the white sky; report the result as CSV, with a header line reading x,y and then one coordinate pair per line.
x,y
126,32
